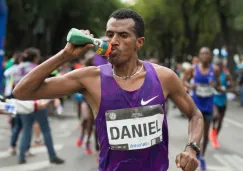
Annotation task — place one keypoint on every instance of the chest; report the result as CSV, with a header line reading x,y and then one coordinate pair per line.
x,y
203,77
131,84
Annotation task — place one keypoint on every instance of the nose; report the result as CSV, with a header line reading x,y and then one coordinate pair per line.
x,y
114,41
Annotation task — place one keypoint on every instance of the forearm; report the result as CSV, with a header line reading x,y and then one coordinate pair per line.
x,y
34,79
195,129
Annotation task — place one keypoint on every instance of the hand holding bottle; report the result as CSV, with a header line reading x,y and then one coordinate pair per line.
x,y
75,50
83,38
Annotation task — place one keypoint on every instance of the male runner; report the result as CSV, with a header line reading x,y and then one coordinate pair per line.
x,y
220,103
127,97
205,77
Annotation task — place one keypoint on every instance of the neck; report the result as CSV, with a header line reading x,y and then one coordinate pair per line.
x,y
205,65
128,68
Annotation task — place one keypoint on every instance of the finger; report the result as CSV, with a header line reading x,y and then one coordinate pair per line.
x,y
88,46
196,163
91,35
183,162
191,165
178,161
188,166
87,32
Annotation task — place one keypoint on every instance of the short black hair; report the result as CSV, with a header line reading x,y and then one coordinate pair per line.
x,y
30,54
124,13
18,57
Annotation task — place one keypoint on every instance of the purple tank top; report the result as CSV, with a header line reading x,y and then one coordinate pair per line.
x,y
99,60
132,126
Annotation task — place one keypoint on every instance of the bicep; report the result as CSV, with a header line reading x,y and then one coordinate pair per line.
x,y
59,86
181,98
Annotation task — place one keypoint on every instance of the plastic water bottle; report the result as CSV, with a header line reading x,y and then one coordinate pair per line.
x,y
77,37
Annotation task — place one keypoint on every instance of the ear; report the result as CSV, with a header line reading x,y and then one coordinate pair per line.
x,y
140,42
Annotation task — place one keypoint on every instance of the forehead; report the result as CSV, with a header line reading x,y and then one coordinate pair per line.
x,y
204,50
120,25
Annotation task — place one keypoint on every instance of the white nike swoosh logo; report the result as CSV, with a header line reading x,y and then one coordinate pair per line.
x,y
146,102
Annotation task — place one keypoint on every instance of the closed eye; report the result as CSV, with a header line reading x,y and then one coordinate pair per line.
x,y
109,34
124,35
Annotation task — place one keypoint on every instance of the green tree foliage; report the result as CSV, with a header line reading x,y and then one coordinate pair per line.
x,y
45,23
177,28
174,28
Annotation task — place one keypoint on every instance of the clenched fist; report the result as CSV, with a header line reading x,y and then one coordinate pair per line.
x,y
74,50
186,161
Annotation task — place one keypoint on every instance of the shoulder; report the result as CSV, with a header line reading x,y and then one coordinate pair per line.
x,y
86,71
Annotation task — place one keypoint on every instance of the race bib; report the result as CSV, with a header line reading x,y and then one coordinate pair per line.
x,y
204,90
135,128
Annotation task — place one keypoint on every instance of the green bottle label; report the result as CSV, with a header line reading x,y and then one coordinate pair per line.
x,y
101,46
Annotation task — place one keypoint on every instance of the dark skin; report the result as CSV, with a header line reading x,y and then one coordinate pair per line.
x,y
219,116
204,67
125,44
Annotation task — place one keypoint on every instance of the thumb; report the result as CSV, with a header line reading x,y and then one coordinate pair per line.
x,y
178,161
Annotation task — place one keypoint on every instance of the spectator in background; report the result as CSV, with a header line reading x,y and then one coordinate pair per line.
x,y
30,61
195,60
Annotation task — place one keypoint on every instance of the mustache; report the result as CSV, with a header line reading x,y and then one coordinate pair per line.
x,y
114,48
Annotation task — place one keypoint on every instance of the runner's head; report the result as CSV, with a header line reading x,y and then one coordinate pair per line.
x,y
32,55
205,55
220,64
18,57
125,31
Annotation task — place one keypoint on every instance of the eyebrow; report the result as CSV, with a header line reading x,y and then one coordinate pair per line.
x,y
119,32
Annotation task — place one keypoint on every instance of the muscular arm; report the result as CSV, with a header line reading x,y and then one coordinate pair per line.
x,y
186,77
35,84
178,95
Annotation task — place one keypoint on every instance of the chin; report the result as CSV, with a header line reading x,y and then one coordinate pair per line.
x,y
114,60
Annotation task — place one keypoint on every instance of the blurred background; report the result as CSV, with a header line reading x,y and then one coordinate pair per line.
x,y
175,31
